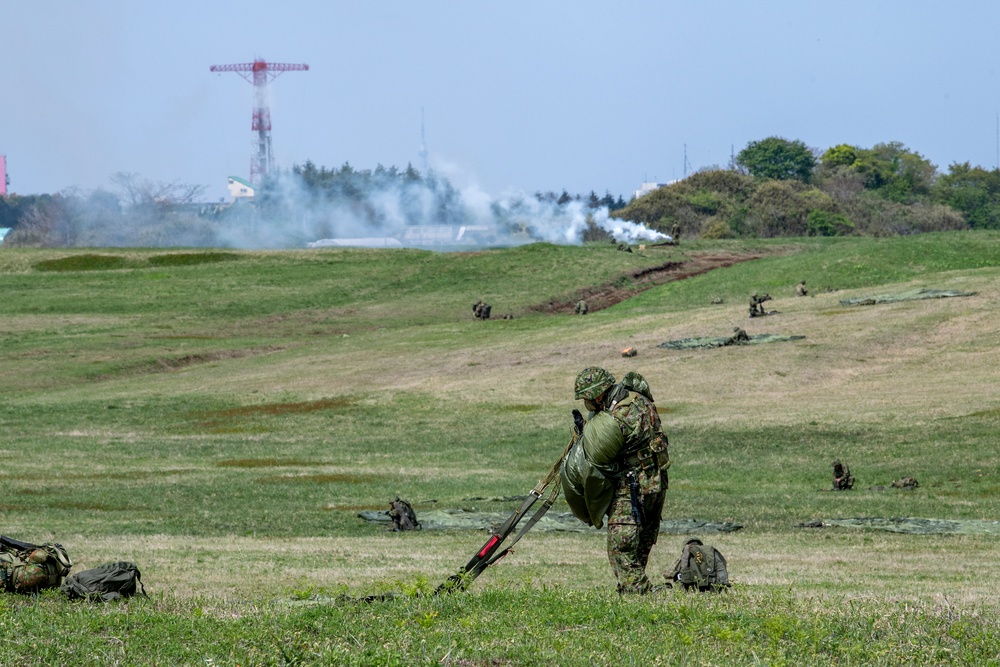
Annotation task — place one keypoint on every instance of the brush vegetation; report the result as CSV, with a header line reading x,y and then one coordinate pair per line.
x,y
220,418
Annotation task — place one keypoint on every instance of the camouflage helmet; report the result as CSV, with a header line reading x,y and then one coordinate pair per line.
x,y
592,382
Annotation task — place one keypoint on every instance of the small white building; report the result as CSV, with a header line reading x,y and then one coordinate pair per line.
x,y
372,242
646,188
240,189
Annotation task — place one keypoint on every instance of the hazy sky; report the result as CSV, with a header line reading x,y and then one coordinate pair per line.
x,y
517,95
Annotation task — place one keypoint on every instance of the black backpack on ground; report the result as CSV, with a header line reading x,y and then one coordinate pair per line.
x,y
105,583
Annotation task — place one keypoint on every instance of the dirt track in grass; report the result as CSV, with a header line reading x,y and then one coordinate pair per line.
x,y
599,297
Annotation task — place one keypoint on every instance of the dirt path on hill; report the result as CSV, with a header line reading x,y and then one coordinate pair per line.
x,y
599,297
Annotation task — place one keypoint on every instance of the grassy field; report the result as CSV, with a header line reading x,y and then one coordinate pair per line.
x,y
221,417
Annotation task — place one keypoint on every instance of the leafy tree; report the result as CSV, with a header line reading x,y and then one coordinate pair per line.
x,y
824,223
841,155
778,159
895,171
778,208
973,191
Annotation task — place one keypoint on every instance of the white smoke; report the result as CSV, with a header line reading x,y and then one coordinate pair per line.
x,y
383,207
399,211
625,231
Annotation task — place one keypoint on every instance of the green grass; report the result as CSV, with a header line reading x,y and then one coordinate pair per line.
x,y
522,626
830,265
221,417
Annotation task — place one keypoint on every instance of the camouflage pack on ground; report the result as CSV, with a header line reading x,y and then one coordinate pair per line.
x,y
29,568
700,567
908,483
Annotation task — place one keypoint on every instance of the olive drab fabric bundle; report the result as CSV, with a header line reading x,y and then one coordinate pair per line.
x,y
29,568
592,469
588,492
107,582
602,440
700,567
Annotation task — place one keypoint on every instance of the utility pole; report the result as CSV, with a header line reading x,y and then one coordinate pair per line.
x,y
259,72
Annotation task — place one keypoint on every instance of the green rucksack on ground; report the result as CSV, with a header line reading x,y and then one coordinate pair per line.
x,y
107,582
700,567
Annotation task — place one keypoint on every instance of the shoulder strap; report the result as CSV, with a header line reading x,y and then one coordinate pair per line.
x,y
10,544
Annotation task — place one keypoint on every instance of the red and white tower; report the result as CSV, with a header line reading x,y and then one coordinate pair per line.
x,y
259,72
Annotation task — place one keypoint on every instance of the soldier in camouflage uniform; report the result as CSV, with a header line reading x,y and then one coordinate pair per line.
x,y
739,337
402,515
843,480
634,514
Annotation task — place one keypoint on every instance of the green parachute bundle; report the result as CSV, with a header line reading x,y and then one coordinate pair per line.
x,y
706,342
909,295
553,522
912,525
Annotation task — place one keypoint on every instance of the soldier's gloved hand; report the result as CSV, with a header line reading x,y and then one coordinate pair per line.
x,y
578,422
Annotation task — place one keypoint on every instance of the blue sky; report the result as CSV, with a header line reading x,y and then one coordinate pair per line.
x,y
517,96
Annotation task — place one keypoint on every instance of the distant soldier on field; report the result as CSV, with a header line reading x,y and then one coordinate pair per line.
x,y
739,337
800,289
402,515
581,307
843,480
481,310
757,304
624,247
675,233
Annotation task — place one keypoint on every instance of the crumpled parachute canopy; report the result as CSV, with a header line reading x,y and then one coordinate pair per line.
x,y
592,382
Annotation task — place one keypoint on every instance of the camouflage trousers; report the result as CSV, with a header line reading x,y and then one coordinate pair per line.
x,y
629,543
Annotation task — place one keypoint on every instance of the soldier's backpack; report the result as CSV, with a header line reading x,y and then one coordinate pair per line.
x,y
28,568
107,582
700,567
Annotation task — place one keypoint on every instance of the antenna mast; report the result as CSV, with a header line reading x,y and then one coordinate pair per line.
x,y
423,144
259,72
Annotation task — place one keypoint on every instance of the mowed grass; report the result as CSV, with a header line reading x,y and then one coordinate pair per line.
x,y
221,417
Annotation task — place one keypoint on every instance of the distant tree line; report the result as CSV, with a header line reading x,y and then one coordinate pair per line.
x,y
421,199
776,187
136,212
592,201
